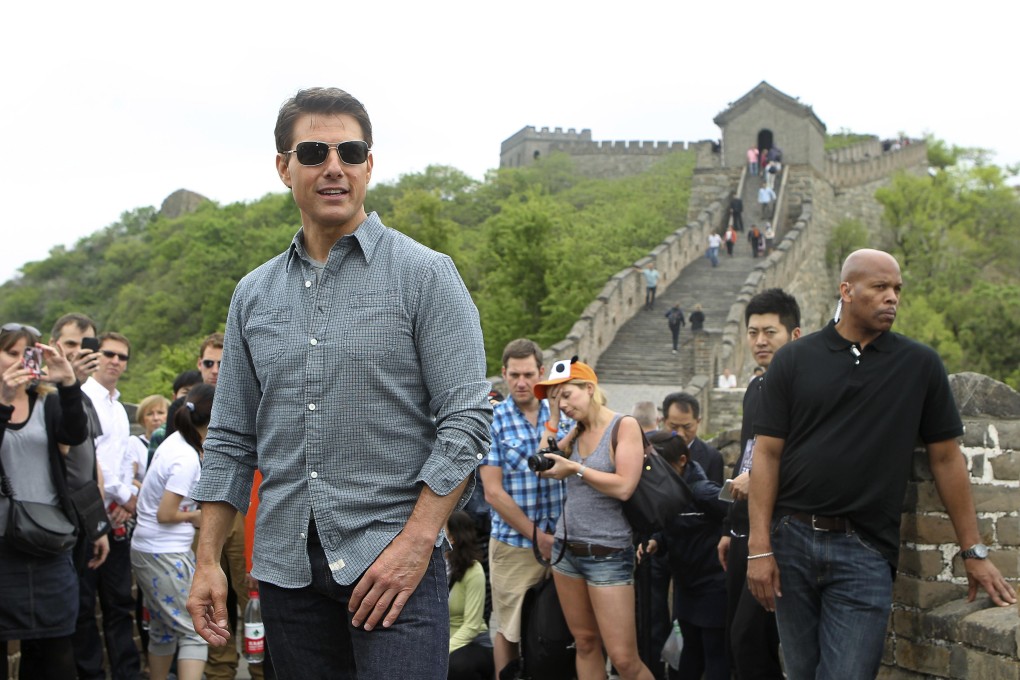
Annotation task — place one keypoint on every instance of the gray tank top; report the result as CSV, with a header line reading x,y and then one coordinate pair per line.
x,y
26,459
591,516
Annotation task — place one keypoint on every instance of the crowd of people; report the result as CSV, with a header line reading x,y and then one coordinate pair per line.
x,y
340,432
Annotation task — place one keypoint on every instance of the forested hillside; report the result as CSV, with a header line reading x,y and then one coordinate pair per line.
x,y
534,245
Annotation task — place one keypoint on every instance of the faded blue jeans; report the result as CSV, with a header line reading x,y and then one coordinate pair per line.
x,y
837,593
311,636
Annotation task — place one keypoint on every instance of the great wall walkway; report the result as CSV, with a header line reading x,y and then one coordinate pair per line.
x,y
639,364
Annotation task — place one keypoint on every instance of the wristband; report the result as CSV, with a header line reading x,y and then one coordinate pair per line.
x,y
549,426
760,555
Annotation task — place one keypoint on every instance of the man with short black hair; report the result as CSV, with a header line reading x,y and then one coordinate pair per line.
x,y
523,504
772,318
842,410
353,378
681,413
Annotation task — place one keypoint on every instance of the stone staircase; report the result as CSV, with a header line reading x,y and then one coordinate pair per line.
x,y
641,353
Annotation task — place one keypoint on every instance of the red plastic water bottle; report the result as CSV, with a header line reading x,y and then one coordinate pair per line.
x,y
254,632
119,531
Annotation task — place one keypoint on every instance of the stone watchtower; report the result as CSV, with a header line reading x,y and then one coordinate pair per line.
x,y
766,117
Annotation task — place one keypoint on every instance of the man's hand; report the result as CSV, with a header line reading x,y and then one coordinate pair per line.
x,y
100,551
986,574
723,549
763,581
545,545
131,506
741,485
84,365
207,604
390,582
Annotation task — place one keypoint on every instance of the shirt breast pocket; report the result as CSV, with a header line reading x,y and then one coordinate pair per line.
x,y
516,456
373,325
266,335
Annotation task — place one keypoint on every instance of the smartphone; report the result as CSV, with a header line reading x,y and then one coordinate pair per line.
x,y
90,344
32,360
726,492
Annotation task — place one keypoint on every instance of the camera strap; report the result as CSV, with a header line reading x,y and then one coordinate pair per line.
x,y
546,483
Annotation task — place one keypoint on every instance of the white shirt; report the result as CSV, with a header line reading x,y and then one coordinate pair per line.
x,y
714,240
112,446
138,455
727,381
175,468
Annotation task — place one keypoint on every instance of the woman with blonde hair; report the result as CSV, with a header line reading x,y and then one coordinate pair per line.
x,y
151,414
595,577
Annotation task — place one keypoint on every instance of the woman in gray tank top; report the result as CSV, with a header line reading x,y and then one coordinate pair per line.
x,y
595,578
38,595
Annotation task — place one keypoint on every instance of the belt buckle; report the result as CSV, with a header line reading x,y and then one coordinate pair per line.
x,y
815,526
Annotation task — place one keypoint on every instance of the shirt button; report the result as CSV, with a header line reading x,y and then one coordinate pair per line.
x,y
314,341
315,475
311,407
302,534
479,456
308,284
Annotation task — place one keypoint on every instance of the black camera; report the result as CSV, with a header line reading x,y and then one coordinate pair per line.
x,y
538,462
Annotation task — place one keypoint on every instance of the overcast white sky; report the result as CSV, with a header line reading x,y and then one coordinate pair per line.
x,y
112,106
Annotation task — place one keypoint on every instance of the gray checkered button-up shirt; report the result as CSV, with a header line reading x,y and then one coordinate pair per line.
x,y
349,387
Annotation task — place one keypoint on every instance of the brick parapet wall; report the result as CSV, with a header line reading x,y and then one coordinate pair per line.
x,y
853,171
934,632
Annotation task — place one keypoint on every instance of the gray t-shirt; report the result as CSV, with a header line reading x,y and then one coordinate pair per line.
x,y
26,458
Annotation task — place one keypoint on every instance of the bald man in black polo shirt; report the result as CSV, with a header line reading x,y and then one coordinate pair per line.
x,y
841,412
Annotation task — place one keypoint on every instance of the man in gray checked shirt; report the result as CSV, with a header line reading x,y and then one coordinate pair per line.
x,y
353,377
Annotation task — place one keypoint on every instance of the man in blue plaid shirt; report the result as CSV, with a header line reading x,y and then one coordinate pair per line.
x,y
521,501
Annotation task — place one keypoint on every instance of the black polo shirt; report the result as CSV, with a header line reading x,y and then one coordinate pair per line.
x,y
850,422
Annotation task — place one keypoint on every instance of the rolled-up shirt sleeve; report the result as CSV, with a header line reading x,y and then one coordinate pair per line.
x,y
448,337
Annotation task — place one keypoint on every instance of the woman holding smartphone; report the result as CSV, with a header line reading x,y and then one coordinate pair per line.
x,y
595,578
161,555
38,595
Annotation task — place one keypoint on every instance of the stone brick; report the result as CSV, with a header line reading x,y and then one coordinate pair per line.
x,y
988,498
921,657
942,623
1007,530
889,672
993,629
920,562
914,592
907,623
1006,466
927,529
971,664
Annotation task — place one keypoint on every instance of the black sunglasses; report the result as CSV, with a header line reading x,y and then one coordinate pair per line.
x,y
316,153
109,354
15,327
209,363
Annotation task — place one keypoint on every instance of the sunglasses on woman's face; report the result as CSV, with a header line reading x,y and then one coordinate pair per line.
x,y
316,153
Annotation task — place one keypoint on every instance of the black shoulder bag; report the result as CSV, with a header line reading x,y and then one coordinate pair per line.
x,y
36,528
660,494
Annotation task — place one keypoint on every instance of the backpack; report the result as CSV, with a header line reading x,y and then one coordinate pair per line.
x,y
547,647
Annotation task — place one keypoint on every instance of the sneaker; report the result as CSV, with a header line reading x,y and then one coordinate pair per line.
x,y
674,351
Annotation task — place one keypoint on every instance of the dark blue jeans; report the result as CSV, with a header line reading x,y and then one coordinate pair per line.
x,y
837,593
309,629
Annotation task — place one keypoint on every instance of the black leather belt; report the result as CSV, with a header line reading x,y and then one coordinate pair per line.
x,y
591,550
822,523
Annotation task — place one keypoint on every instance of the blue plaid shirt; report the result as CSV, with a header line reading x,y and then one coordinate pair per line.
x,y
513,440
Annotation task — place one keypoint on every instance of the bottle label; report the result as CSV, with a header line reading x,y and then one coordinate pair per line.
x,y
254,639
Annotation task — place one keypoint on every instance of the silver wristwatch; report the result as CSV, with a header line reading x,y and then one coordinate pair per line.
x,y
978,551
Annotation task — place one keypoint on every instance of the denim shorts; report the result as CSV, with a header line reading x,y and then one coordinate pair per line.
x,y
609,570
